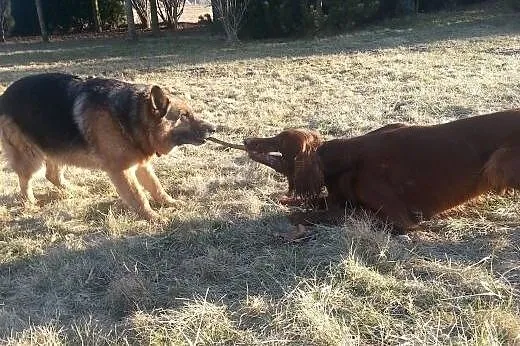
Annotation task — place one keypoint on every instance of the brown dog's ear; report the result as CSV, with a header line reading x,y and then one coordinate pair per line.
x,y
298,142
159,102
308,175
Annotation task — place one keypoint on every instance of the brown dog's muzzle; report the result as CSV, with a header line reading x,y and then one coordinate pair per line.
x,y
266,152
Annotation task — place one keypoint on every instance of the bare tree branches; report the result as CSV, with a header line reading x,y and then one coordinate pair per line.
x,y
231,13
3,19
170,11
142,10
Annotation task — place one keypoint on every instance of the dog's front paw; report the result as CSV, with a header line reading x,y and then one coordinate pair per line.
x,y
169,201
29,199
150,215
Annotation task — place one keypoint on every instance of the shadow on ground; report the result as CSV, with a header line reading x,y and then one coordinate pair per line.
x,y
224,260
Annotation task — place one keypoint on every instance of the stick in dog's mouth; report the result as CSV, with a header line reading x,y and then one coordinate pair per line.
x,y
239,146
227,144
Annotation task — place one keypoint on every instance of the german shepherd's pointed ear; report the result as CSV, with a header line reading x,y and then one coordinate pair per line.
x,y
159,102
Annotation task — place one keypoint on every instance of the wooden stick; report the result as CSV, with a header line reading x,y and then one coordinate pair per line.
x,y
226,144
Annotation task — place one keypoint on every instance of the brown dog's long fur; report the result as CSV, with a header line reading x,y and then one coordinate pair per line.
x,y
294,147
410,173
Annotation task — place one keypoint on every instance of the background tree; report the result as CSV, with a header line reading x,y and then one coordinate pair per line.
x,y
97,16
112,13
65,16
515,4
214,10
6,21
153,16
170,11
41,20
132,33
142,10
231,14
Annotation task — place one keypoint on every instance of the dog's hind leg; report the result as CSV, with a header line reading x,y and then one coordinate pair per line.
x,y
54,174
24,157
146,176
380,198
502,170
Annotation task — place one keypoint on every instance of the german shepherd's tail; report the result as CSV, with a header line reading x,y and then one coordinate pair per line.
x,y
1,116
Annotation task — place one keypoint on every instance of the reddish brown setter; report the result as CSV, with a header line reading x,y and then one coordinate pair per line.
x,y
284,153
403,173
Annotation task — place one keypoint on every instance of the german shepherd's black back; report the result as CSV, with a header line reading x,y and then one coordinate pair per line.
x,y
44,106
41,105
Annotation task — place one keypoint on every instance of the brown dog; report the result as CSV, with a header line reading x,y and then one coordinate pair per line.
x,y
60,119
409,173
284,153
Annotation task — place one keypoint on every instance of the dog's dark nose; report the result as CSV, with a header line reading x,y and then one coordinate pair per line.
x,y
210,128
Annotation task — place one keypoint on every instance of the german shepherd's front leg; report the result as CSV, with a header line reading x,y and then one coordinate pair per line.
x,y
131,192
146,176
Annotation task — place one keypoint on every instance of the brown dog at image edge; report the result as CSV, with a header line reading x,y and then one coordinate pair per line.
x,y
405,174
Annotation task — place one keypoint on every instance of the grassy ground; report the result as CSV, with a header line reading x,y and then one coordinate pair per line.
x,y
81,269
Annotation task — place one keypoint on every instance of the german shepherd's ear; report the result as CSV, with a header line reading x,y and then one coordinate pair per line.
x,y
159,101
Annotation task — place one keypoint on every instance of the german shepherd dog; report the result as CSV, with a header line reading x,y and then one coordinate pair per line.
x,y
61,119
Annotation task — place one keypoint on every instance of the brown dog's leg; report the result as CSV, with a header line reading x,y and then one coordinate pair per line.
x,y
54,174
146,176
130,191
502,171
26,190
381,198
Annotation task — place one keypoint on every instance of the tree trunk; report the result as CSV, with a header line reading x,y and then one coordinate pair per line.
x,y
2,32
216,12
132,33
2,20
41,19
143,19
407,6
175,25
154,19
97,17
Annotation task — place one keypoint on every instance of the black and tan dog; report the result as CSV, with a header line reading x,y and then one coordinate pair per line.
x,y
60,119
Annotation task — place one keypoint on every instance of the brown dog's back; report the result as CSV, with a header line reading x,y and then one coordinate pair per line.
x,y
410,171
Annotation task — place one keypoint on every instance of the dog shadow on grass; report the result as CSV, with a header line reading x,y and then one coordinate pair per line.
x,y
110,278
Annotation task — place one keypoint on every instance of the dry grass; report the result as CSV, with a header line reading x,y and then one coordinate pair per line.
x,y
81,269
